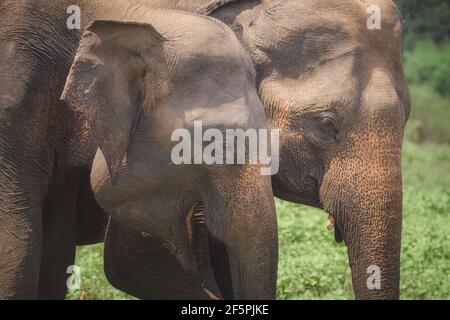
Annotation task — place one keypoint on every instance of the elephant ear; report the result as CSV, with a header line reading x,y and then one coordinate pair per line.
x,y
115,70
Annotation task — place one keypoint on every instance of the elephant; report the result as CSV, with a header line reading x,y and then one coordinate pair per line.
x,y
137,85
335,88
344,174
47,149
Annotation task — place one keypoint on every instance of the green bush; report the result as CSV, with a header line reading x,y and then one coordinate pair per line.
x,y
428,63
426,17
427,71
430,116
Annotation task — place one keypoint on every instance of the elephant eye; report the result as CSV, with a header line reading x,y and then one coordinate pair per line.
x,y
329,122
88,64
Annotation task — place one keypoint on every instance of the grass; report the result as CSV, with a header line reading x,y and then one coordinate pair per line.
x,y
94,285
313,266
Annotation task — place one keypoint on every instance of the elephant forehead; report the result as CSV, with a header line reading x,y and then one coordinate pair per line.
x,y
199,45
314,26
330,83
286,21
229,114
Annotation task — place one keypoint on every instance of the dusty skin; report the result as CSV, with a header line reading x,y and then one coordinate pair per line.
x,y
335,89
41,186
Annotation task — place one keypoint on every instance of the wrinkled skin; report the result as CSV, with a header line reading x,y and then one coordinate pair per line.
x,y
46,205
365,170
336,90
137,84
38,187
46,150
342,104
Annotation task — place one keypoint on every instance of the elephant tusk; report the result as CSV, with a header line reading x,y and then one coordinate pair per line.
x,y
330,222
210,294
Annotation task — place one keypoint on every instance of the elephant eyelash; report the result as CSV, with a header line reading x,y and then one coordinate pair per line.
x,y
88,67
329,119
330,122
88,64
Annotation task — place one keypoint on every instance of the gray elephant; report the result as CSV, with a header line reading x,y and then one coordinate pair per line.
x,y
46,149
35,167
335,88
136,87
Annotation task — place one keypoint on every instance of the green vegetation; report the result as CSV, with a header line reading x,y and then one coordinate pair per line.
x,y
427,70
94,285
428,63
426,17
313,266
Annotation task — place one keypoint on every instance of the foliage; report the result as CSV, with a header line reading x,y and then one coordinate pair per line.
x,y
94,285
428,63
426,17
427,70
430,116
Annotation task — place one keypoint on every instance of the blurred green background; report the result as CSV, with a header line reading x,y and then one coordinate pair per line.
x,y
312,265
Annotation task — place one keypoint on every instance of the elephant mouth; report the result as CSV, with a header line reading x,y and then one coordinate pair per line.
x,y
332,225
197,236
300,189
338,234
211,257
298,199
307,198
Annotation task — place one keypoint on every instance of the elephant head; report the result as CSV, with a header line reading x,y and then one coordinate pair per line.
x,y
137,84
332,81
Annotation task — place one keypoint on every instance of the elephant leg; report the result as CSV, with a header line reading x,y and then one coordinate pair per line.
x,y
22,192
146,267
59,240
25,167
20,253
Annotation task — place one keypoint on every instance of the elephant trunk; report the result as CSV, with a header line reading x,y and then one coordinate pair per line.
x,y
363,192
373,236
253,259
247,227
